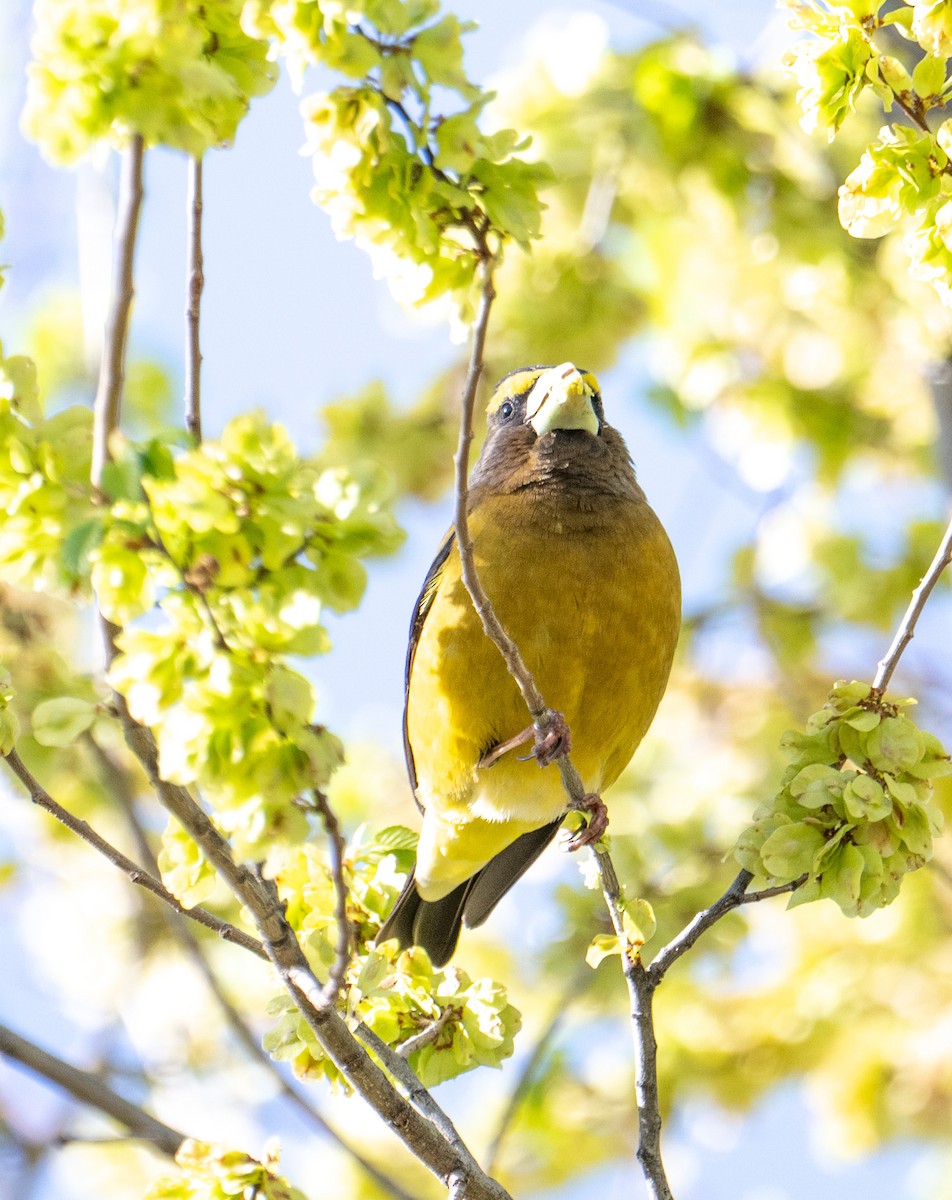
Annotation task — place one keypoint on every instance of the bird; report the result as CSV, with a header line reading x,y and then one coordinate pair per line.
x,y
583,577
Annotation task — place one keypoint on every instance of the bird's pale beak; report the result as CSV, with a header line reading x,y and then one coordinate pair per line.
x,y
561,399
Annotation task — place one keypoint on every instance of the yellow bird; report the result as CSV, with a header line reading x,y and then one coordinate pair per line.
x,y
582,575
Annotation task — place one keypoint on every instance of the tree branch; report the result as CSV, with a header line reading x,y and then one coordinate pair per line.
x,y
527,1075
108,401
345,933
481,602
40,796
92,1091
193,305
446,1157
907,626
544,718
239,1027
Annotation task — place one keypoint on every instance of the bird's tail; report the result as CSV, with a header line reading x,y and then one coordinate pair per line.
x,y
435,924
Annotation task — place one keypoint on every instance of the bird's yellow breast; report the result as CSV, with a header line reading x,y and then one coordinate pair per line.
x,y
591,595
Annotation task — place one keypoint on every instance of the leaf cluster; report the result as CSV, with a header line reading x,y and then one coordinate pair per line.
x,y
179,74
397,993
400,161
854,813
208,1172
903,180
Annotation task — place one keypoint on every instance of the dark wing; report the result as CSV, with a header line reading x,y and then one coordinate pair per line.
x,y
435,924
423,605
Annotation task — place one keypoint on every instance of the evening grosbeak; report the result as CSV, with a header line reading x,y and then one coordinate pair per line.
x,y
583,578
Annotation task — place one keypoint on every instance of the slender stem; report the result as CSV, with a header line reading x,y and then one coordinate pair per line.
x,y
699,924
40,796
108,404
907,626
641,987
239,1027
90,1090
429,1034
530,1067
196,283
481,602
336,847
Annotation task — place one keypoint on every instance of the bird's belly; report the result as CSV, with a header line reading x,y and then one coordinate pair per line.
x,y
596,620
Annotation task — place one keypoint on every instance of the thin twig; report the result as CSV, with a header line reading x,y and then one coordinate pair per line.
x,y
428,1035
530,1067
731,899
90,1090
649,1113
40,796
641,997
481,602
336,846
907,626
421,1099
108,402
193,305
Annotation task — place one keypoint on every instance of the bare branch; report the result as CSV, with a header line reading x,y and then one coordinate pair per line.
x,y
731,899
91,1090
39,795
239,1027
428,1035
336,847
530,1067
491,623
444,1156
907,626
193,306
108,402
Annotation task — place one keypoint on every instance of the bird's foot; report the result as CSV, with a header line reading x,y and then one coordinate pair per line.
x,y
492,756
552,738
550,734
595,809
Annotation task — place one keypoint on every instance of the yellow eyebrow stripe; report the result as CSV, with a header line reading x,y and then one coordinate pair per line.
x,y
521,381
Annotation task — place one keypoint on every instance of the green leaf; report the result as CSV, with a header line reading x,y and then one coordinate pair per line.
x,y
81,540
639,922
790,850
863,719
895,744
602,946
59,722
865,799
928,78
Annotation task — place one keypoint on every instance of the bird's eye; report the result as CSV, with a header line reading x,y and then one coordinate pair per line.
x,y
506,409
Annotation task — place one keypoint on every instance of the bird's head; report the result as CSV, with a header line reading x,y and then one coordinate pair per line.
x,y
546,427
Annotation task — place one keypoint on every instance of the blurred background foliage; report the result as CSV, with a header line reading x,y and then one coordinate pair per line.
x,y
691,252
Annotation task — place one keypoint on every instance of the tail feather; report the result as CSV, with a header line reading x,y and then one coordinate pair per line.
x,y
435,924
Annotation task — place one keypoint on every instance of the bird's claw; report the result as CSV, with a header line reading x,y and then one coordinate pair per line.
x,y
552,739
595,809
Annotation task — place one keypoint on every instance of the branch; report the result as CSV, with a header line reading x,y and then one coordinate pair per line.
x,y
239,1027
447,1157
345,933
39,795
481,602
108,401
734,897
907,626
527,1075
429,1034
196,283
91,1090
